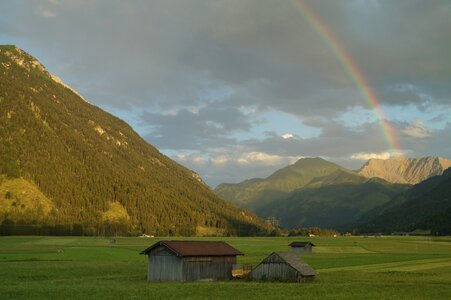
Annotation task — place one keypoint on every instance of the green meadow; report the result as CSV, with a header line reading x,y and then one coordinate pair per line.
x,y
349,268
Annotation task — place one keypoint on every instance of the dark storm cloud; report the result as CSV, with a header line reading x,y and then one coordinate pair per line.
x,y
165,51
150,46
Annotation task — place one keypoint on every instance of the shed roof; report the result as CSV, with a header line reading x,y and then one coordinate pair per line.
x,y
196,248
301,244
295,262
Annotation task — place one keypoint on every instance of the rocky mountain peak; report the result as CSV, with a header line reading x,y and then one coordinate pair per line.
x,y
405,170
29,63
20,57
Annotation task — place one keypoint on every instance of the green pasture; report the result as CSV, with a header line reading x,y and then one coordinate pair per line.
x,y
349,268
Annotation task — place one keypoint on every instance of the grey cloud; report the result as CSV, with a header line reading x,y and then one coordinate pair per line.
x,y
336,140
164,51
167,56
209,127
337,150
417,130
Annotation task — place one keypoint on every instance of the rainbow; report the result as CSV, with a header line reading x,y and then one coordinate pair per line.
x,y
352,70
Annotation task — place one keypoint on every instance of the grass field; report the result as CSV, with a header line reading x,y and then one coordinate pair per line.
x,y
349,268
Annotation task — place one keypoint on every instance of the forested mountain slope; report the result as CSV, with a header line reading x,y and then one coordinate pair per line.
x,y
87,171
331,201
312,192
426,205
254,193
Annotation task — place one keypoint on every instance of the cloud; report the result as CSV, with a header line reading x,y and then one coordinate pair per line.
x,y
196,77
45,9
287,136
260,49
381,155
250,158
201,128
417,129
234,166
335,140
46,13
265,158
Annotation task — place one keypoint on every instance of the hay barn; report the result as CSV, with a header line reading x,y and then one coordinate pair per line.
x,y
283,266
302,247
190,260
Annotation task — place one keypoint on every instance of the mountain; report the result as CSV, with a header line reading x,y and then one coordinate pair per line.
x,y
332,201
255,193
405,170
68,167
426,205
312,192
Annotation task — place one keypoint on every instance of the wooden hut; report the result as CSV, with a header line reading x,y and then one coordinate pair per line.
x,y
283,266
301,247
190,260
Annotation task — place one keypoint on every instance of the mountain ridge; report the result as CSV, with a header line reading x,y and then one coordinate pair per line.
x,y
405,170
427,206
91,165
253,192
320,193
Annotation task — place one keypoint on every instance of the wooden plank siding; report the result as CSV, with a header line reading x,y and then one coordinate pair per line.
x,y
283,266
274,268
307,249
208,267
164,266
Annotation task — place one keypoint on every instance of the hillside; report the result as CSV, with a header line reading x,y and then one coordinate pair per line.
x,y
331,201
312,192
87,171
255,193
426,205
405,170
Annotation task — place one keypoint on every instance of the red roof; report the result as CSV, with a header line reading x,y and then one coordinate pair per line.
x,y
196,248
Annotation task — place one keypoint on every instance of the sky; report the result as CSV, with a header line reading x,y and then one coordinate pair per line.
x,y
237,89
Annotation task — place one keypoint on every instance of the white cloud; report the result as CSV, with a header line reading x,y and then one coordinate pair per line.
x,y
417,129
45,13
197,159
265,158
220,159
223,166
194,109
381,155
251,158
287,136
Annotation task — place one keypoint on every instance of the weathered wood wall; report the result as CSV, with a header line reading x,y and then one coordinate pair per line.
x,y
164,266
302,250
208,267
273,268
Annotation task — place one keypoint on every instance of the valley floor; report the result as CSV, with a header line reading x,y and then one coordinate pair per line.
x,y
349,268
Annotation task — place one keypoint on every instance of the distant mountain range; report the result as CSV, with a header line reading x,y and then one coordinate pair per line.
x,y
254,193
426,205
315,192
405,170
68,167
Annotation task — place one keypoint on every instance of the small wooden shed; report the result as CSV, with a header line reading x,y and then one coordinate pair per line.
x,y
283,266
190,260
302,247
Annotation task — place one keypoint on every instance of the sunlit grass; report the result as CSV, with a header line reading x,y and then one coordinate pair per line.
x,y
100,268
